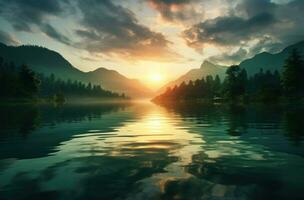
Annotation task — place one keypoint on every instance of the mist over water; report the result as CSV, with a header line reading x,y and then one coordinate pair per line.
x,y
145,151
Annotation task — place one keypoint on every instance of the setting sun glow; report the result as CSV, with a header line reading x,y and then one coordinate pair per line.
x,y
156,77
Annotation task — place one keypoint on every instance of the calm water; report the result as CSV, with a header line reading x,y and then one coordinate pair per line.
x,y
144,151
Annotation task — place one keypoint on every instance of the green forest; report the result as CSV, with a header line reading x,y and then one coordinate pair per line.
x,y
21,83
265,86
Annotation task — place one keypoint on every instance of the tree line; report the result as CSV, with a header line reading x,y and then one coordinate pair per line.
x,y
49,85
22,83
238,86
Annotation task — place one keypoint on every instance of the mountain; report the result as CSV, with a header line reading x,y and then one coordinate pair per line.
x,y
269,61
207,68
39,59
266,61
114,81
45,61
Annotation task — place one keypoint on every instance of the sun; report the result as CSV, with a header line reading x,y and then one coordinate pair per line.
x,y
156,78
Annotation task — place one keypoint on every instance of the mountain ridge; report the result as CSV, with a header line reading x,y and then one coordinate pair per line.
x,y
206,68
46,61
264,60
115,81
270,61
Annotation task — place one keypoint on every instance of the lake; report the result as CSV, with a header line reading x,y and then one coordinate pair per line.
x,y
146,151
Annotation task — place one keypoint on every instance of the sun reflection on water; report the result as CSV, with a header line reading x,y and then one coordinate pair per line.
x,y
156,133
153,151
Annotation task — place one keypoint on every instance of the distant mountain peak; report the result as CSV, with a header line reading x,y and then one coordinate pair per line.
x,y
103,69
206,64
206,68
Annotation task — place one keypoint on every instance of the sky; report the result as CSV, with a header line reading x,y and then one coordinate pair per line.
x,y
153,40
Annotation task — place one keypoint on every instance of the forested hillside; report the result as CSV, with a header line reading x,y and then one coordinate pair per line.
x,y
23,83
265,86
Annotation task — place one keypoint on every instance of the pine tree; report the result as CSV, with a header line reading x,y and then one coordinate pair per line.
x,y
292,77
235,81
29,83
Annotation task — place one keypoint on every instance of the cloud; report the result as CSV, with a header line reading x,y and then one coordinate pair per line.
x,y
251,8
111,29
53,33
251,25
23,15
177,11
228,57
8,39
104,27
227,31
234,55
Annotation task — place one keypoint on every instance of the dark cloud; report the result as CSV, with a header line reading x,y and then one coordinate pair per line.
x,y
7,39
53,33
23,15
104,26
254,25
112,29
181,11
251,8
226,31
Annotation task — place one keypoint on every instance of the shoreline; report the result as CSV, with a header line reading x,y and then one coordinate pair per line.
x,y
68,101
283,102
